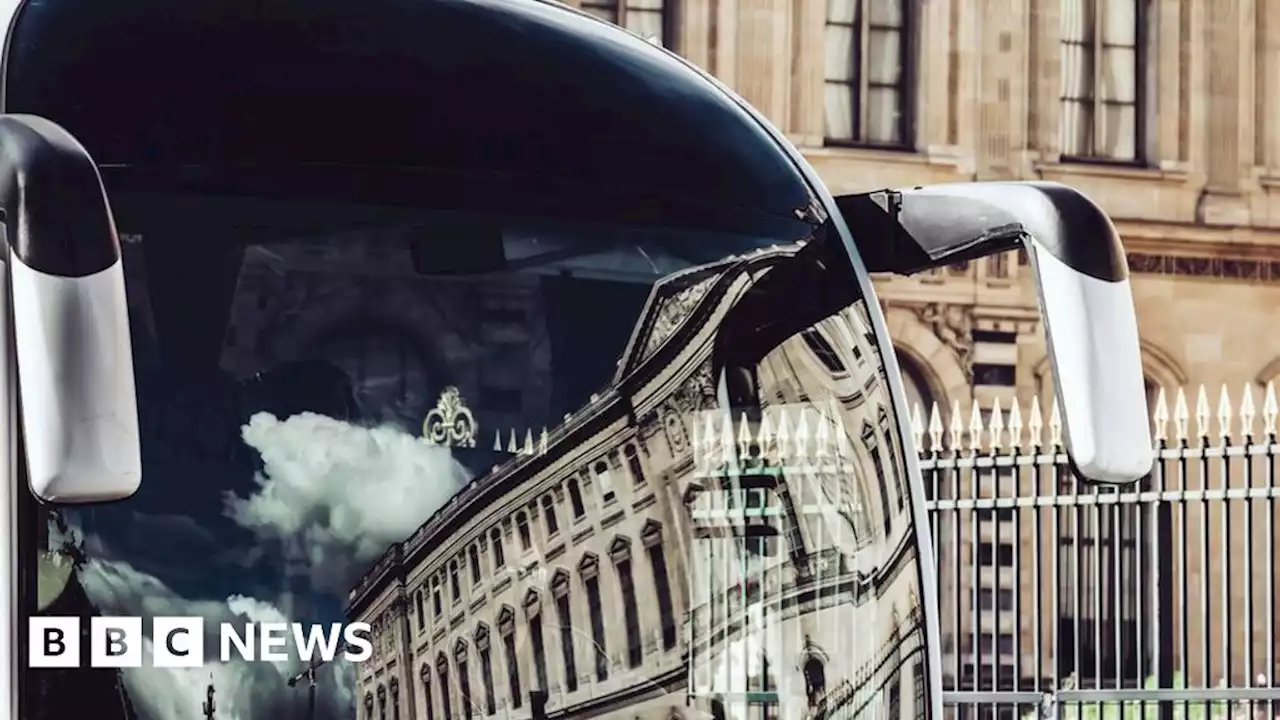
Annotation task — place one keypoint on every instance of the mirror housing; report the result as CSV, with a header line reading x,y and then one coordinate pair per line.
x,y
68,324
1083,281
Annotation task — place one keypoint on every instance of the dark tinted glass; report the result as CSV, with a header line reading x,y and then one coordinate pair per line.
x,y
606,464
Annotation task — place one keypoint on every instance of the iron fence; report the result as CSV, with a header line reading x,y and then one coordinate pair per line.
x,y
1151,602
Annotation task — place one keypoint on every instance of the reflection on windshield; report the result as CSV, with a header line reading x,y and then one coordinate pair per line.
x,y
624,482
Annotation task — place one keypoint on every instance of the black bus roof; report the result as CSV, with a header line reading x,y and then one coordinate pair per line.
x,y
378,91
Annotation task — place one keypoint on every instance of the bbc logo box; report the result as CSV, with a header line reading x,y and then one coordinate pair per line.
x,y
114,642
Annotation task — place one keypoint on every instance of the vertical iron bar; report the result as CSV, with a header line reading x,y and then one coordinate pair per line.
x,y
957,628
1183,614
1037,608
1249,505
1162,570
1015,474
1270,546
975,527
1206,631
1225,556
1119,589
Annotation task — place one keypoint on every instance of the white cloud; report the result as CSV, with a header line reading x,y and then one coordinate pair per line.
x,y
341,493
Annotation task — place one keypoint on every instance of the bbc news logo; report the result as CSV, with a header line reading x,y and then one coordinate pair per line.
x,y
116,642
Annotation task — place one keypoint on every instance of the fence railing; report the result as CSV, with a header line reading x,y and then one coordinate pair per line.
x,y
1156,601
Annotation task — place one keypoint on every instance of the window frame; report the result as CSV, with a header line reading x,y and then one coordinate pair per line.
x,y
857,89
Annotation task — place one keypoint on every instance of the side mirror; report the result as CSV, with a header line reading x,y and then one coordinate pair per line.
x,y
1085,299
66,322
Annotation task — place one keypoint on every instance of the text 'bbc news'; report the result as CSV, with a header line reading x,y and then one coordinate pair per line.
x,y
117,642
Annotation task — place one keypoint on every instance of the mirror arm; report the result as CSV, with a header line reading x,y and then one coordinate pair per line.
x,y
925,228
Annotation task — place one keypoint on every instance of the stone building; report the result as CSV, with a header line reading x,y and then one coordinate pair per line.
x,y
655,556
1162,112
1158,110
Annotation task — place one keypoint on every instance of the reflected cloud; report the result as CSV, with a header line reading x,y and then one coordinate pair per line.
x,y
340,493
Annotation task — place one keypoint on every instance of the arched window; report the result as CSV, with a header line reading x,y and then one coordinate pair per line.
x,y
417,608
455,587
435,596
442,672
815,678
564,613
620,553
495,540
427,700
651,536
382,702
549,515
507,630
486,668
873,450
464,678
604,481
889,433
633,464
473,559
533,615
522,529
589,568
575,499
395,699
368,705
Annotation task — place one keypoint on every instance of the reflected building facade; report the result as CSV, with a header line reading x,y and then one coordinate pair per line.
x,y
724,531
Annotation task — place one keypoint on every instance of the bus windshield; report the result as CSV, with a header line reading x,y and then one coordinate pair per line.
x,y
582,467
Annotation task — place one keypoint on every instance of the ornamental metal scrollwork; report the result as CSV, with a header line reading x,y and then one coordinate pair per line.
x,y
450,423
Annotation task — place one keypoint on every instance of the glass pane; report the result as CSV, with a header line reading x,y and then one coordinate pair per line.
x,y
319,382
1077,71
1119,76
1077,23
842,11
1120,22
1076,126
839,110
885,13
1118,136
804,433
841,56
883,116
884,57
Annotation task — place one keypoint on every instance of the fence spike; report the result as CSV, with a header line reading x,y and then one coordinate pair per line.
x,y
997,426
917,426
528,441
801,437
957,426
1055,424
1202,412
726,440
511,442
782,436
1160,418
1035,425
1270,409
935,428
497,441
1015,425
1181,416
1247,412
1224,413
744,437
765,438
823,436
975,428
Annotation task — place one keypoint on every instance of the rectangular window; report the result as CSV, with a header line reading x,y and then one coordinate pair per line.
x,y
1101,44
868,93
646,18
